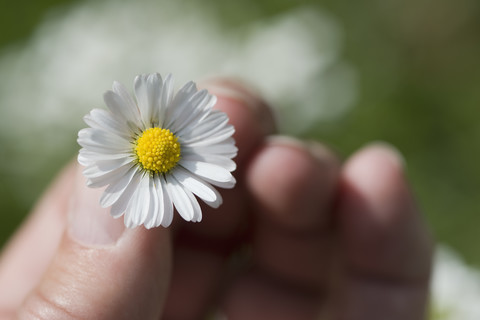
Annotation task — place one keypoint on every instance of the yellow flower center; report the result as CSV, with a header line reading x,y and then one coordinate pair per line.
x,y
158,150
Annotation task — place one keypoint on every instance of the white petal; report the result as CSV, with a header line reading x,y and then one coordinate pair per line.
x,y
225,185
97,178
143,204
198,187
197,211
151,218
123,108
84,161
147,91
180,199
115,190
215,204
176,108
127,217
141,93
105,120
192,111
87,158
157,185
214,138
120,206
137,208
97,139
109,165
166,97
103,156
122,92
155,87
215,121
228,155
212,172
223,148
220,160
104,149
94,172
167,204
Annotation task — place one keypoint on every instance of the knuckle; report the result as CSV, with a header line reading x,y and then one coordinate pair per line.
x,y
39,306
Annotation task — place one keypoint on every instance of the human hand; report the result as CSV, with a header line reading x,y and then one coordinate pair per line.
x,y
300,237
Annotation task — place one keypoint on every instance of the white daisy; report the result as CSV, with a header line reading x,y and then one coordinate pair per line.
x,y
157,151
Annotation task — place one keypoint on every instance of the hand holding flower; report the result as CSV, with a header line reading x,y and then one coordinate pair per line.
x,y
298,237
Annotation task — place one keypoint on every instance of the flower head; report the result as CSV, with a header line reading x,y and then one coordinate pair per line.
x,y
157,151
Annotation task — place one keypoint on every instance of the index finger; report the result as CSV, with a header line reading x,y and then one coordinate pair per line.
x,y
207,245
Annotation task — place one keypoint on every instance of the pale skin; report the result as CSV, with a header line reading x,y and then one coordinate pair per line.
x,y
301,236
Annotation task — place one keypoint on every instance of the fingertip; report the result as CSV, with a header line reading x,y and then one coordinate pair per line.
x,y
375,175
88,223
375,159
380,223
293,183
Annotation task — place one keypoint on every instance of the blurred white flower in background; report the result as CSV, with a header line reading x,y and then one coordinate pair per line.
x,y
48,83
455,287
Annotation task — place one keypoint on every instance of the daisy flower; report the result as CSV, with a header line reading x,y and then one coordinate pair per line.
x,y
157,151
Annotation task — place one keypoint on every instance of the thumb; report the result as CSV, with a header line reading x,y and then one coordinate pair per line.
x,y
102,270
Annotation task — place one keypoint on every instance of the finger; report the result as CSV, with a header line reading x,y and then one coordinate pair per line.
x,y
252,120
386,245
101,270
202,250
28,254
255,296
293,183
294,187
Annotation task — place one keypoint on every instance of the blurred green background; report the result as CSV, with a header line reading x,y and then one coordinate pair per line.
x,y
418,70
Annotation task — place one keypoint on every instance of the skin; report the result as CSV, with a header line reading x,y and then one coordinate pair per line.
x,y
301,236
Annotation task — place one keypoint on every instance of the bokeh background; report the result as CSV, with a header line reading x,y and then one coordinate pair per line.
x,y
343,72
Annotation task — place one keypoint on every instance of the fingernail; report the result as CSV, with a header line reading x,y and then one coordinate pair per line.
x,y
90,224
318,151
